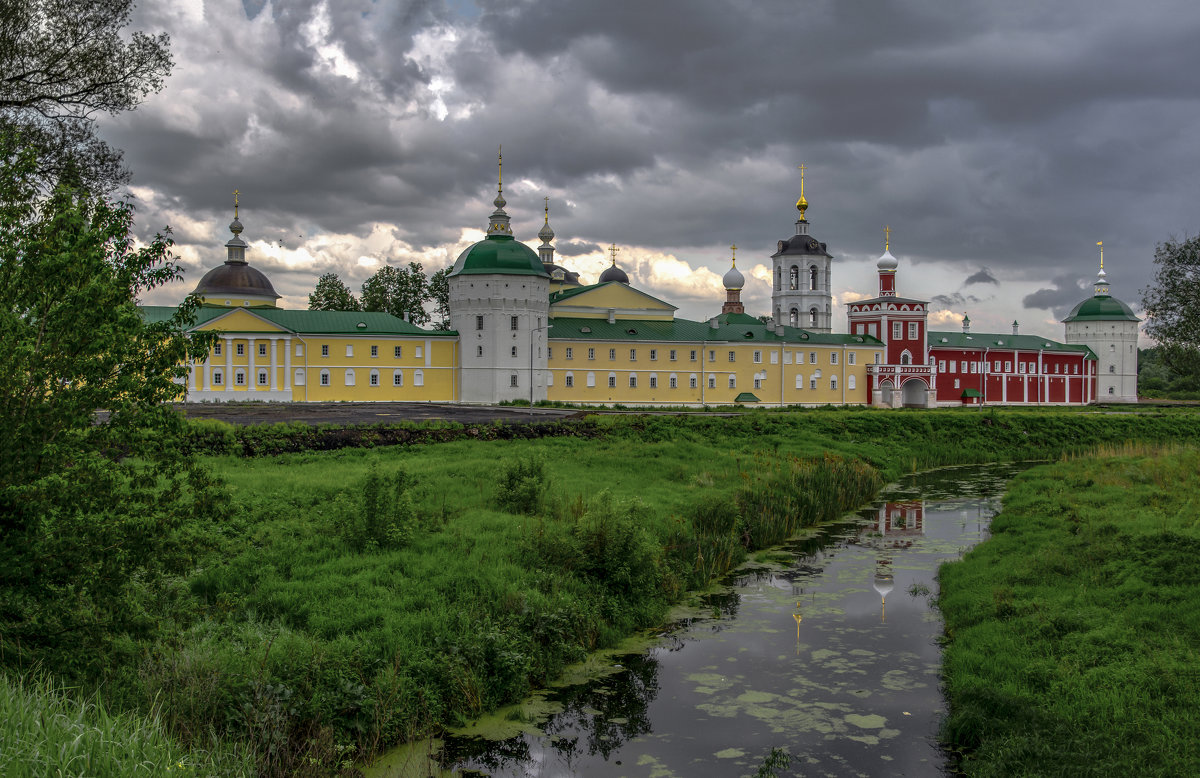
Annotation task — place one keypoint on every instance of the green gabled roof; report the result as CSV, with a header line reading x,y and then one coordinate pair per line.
x,y
971,393
499,254
1101,308
993,340
307,322
680,330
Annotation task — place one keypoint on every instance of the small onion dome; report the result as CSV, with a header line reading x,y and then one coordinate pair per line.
x,y
733,278
546,233
887,262
235,226
614,273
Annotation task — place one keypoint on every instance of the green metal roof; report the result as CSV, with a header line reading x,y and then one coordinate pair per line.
x,y
971,393
683,330
502,254
982,340
308,322
1101,308
745,397
566,294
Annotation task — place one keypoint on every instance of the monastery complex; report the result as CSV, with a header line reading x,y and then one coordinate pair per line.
x,y
525,328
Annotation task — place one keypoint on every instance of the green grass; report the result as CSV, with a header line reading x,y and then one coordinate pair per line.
x,y
45,732
1074,632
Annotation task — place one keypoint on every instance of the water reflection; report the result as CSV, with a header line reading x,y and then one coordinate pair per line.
x,y
821,655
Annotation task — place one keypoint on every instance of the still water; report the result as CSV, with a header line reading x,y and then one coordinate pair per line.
x,y
829,652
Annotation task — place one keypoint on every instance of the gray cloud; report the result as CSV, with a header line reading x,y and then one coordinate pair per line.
x,y
575,248
981,276
1060,298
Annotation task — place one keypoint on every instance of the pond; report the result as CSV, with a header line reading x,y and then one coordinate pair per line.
x,y
829,651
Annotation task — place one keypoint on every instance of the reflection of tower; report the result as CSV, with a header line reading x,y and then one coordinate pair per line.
x,y
883,583
900,521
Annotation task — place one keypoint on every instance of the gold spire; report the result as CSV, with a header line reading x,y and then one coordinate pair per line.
x,y
612,250
733,258
887,237
802,204
500,168
547,199
237,192
1100,243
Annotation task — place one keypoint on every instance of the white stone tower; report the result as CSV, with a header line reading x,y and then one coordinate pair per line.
x,y
1108,327
801,295
499,304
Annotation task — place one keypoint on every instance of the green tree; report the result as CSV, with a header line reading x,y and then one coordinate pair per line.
x,y
400,292
61,63
1172,305
90,504
439,295
332,295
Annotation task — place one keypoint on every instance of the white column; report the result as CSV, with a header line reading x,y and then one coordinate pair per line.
x,y
271,358
192,379
228,363
251,379
287,364
207,372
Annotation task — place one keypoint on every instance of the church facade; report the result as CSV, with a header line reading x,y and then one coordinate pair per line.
x,y
526,328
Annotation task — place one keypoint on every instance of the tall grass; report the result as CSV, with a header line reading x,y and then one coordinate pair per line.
x,y
1074,632
48,732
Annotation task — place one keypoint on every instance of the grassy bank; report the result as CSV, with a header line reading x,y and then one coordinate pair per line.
x,y
352,598
1074,632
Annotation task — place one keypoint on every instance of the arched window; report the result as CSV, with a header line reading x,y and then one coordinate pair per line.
x,y
298,379
1112,368
1111,390
218,377
633,380
778,278
733,382
350,377
324,378
262,377
812,277
906,358
812,317
612,380
570,380
833,382
674,382
374,378
239,377
794,318
794,278
397,378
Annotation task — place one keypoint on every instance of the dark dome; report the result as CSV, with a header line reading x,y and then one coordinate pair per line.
x,y
569,276
801,245
498,254
614,273
235,279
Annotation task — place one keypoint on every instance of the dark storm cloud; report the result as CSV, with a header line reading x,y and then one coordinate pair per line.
x,y
1060,298
954,301
981,276
1005,136
575,248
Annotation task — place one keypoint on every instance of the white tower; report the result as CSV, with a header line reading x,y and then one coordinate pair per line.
x,y
1108,327
499,304
801,296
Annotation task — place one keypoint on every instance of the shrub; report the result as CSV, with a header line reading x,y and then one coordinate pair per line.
x,y
522,485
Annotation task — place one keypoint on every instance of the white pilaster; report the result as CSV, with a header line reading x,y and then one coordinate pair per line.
x,y
251,378
228,387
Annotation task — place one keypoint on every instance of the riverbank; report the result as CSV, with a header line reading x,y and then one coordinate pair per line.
x,y
1073,634
353,598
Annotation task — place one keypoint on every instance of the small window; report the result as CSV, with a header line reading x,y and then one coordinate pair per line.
x,y
633,355
774,357
397,352
956,383
324,378
324,351
217,349
850,382
633,380
1008,367
673,382
591,353
479,322
262,377
757,357
693,357
512,379
612,380
850,358
374,378
217,377
833,358
653,381
239,378
397,378
375,351
514,351
1112,368
262,349
418,378
479,351
812,357
570,380
833,382
672,354
1111,390
612,353
799,380
758,383
731,356
241,349
349,351
897,330
418,352
733,382
570,353
712,382
350,377
877,357
692,381
912,330
653,355
298,379
812,383
591,379
549,352
513,323
712,355
299,350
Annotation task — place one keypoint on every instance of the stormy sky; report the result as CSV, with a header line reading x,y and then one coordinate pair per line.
x,y
999,141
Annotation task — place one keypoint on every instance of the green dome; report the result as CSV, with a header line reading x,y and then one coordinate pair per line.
x,y
1101,308
501,254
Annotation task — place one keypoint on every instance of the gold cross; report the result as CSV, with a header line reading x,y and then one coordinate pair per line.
x,y
235,202
802,167
547,199
1101,245
733,248
887,237
613,251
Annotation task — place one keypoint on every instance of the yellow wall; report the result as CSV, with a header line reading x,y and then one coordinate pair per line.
x,y
712,369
